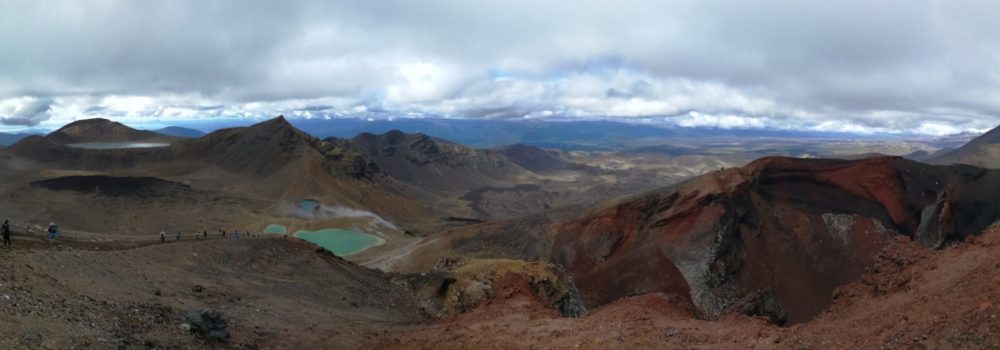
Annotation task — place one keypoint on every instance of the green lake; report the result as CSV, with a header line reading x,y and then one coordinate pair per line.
x,y
340,242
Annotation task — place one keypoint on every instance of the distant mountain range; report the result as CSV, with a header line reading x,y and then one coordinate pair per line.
x,y
575,135
7,139
568,135
177,131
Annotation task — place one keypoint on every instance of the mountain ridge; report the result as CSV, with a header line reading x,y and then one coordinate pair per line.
x,y
982,151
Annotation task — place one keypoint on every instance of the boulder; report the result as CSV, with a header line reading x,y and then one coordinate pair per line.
x,y
207,323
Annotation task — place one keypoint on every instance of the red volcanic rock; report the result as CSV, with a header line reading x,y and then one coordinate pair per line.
x,y
772,239
512,285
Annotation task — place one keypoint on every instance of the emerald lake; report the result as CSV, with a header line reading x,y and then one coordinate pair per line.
x,y
340,242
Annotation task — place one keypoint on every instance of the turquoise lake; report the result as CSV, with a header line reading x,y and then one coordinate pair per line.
x,y
308,205
340,242
117,145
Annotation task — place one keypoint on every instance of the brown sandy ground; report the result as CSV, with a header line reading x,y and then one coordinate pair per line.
x,y
912,298
275,294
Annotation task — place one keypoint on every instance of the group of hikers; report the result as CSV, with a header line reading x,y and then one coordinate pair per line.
x,y
53,232
204,235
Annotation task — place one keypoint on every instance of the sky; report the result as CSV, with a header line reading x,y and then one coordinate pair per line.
x,y
924,67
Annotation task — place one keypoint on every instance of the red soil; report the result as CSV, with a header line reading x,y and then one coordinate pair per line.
x,y
911,298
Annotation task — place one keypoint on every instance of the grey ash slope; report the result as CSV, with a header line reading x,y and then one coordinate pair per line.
x,y
983,151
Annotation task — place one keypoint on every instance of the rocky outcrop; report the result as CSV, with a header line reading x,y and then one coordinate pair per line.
x,y
936,223
763,303
460,285
207,323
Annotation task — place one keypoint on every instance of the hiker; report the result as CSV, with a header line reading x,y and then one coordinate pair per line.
x,y
178,235
223,233
53,231
163,237
5,230
204,234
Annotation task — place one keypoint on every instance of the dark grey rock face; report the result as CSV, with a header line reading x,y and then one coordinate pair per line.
x,y
206,322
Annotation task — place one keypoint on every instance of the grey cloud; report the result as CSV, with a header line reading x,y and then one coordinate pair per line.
x,y
30,114
505,112
94,110
319,108
640,88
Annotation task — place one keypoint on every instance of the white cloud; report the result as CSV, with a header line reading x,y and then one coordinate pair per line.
x,y
893,66
845,126
937,129
695,119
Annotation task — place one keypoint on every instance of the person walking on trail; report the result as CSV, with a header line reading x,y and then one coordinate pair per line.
x,y
53,231
163,237
5,230
178,235
204,234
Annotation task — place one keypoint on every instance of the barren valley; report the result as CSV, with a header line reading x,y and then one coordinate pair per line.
x,y
508,247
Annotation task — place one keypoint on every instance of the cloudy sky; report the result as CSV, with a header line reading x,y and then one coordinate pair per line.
x,y
928,67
